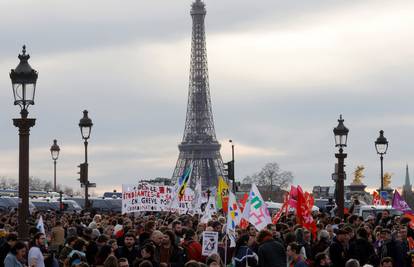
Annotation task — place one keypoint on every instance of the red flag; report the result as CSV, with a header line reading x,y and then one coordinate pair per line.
x,y
279,213
300,207
377,199
243,201
243,222
286,200
304,211
293,196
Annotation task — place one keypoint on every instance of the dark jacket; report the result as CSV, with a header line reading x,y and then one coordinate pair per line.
x,y
131,255
393,248
271,254
320,246
4,250
337,254
245,255
361,250
177,256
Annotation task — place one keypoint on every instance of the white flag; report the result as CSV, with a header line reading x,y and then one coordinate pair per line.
x,y
197,200
40,226
256,211
233,219
209,210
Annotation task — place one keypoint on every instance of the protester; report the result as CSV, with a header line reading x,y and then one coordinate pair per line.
x,y
170,239
271,253
338,251
244,256
16,256
7,246
294,255
192,246
35,256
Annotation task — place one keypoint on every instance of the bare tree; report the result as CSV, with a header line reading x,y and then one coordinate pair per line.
x,y
68,190
271,175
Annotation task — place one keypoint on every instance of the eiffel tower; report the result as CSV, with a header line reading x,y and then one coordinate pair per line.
x,y
199,146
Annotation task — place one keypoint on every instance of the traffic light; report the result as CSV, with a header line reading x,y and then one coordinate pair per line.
x,y
230,170
83,173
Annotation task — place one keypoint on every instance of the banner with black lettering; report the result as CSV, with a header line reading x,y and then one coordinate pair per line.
x,y
147,197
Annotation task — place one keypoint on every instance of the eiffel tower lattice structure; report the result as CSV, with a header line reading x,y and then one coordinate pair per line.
x,y
199,145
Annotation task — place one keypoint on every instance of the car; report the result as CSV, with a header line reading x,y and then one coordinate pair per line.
x,y
44,205
8,204
100,205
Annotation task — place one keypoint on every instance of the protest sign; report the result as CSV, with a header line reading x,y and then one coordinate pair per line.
x,y
210,243
147,197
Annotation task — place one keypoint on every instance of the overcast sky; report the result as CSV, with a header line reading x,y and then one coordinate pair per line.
x,y
281,72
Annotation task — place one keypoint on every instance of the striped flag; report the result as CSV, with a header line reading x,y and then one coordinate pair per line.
x,y
183,181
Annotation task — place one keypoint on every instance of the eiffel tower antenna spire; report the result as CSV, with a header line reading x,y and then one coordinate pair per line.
x,y
199,145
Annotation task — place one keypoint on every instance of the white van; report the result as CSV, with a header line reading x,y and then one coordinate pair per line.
x,y
274,206
366,210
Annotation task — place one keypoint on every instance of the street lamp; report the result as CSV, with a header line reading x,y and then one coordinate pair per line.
x,y
231,167
23,79
85,125
341,138
381,145
54,151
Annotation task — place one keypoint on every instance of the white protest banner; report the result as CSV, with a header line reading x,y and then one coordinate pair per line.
x,y
210,243
147,197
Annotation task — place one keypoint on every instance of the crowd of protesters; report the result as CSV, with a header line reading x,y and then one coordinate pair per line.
x,y
160,240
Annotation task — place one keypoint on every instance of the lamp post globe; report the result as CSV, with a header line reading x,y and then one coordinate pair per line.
x,y
85,125
341,138
381,145
341,133
54,151
23,79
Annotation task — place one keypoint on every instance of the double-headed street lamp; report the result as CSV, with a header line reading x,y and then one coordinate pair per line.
x,y
85,125
341,138
381,145
54,151
23,79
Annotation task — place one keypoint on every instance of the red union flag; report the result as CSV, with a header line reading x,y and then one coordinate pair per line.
x,y
304,212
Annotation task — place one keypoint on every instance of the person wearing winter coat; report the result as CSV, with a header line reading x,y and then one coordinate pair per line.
x,y
271,253
244,256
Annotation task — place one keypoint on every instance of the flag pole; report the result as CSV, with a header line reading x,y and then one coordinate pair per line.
x,y
225,251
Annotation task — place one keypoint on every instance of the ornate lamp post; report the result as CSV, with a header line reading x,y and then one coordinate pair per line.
x,y
54,151
341,138
381,145
85,125
23,79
